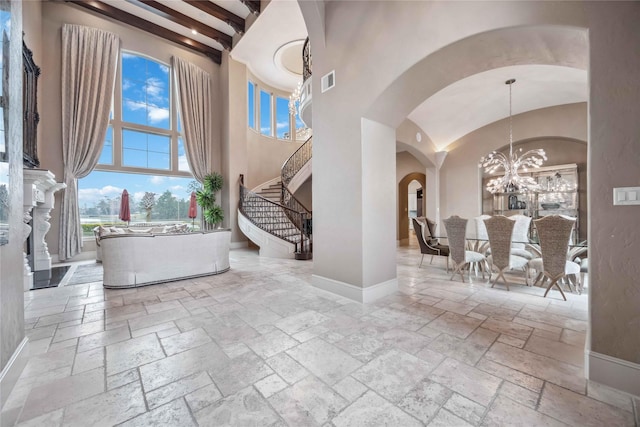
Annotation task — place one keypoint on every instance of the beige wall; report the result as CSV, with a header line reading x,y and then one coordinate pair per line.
x,y
54,15
304,194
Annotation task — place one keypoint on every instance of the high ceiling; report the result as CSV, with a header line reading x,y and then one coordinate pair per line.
x,y
271,49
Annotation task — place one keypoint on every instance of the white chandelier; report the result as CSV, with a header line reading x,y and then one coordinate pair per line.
x,y
511,182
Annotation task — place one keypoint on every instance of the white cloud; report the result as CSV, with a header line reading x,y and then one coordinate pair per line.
x,y
177,188
90,196
282,125
156,114
127,55
138,195
183,164
156,179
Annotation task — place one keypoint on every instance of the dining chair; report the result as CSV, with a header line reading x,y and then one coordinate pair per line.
x,y
482,245
428,244
456,228
554,232
520,236
500,230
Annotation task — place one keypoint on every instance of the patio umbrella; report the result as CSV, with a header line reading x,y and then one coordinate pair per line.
x,y
193,207
125,213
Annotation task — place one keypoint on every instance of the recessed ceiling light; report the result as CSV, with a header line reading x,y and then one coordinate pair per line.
x,y
194,32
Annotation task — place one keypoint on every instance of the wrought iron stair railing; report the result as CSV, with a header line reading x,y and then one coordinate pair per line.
x,y
276,219
296,161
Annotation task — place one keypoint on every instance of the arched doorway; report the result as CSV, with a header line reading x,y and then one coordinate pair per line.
x,y
413,181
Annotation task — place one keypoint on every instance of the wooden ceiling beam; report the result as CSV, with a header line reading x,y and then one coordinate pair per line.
x,y
127,18
253,5
233,20
174,16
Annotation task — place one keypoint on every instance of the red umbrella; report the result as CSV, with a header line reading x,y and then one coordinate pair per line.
x,y
125,213
193,207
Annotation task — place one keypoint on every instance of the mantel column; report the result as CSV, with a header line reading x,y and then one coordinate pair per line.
x,y
42,202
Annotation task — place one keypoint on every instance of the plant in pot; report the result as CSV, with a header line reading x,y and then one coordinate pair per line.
x,y
206,197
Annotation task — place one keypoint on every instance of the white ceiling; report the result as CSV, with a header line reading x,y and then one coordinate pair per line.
x,y
277,25
483,98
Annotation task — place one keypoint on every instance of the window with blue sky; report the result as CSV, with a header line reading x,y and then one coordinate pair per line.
x,y
265,113
143,150
282,118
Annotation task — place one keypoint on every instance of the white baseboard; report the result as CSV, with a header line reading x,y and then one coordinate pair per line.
x,y
614,372
13,369
355,293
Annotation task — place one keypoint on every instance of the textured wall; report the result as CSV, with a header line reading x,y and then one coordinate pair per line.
x,y
614,161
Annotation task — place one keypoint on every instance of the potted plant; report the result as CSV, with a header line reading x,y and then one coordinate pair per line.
x,y
206,197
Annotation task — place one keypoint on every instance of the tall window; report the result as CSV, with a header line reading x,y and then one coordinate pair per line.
x,y
283,119
265,113
143,150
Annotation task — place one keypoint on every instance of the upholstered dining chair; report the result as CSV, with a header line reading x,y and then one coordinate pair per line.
x,y
520,236
428,244
482,244
456,233
500,229
554,232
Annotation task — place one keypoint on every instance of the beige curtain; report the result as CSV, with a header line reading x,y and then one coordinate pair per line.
x,y
194,96
89,61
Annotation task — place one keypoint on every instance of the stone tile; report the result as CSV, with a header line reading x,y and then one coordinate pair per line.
x,y
107,409
466,380
47,362
53,418
502,313
132,353
236,349
543,367
243,408
424,400
256,315
41,333
466,409
373,410
350,389
169,296
573,337
301,321
177,389
537,325
574,408
443,294
59,318
287,368
326,361
553,319
543,333
610,395
364,344
270,344
445,418
157,318
556,350
102,339
73,342
185,341
230,329
308,402
512,341
393,374
456,307
162,306
397,318
164,333
78,331
88,360
152,329
122,378
270,385
203,397
408,341
468,351
506,373
455,324
240,372
519,394
208,357
509,328
60,393
504,411
175,413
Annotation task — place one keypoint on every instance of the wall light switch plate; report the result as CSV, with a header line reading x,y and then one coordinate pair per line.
x,y
626,196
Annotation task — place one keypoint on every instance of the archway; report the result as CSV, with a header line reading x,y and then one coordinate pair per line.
x,y
403,203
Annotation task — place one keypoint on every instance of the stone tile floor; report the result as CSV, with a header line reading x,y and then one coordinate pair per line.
x,y
259,346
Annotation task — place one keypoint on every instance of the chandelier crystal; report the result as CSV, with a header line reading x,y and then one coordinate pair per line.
x,y
511,182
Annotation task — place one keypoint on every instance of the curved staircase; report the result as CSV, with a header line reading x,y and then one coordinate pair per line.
x,y
270,215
